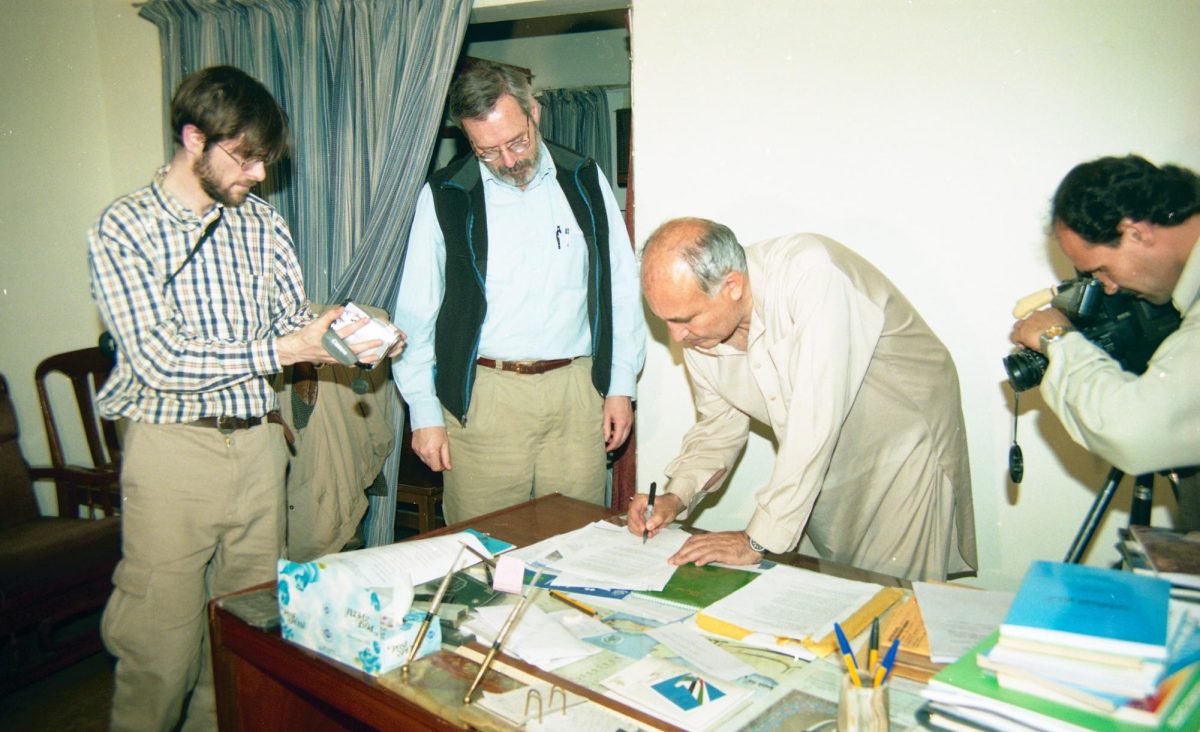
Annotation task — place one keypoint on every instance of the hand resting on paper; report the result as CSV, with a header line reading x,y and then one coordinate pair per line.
x,y
727,547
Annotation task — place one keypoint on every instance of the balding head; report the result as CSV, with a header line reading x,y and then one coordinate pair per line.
x,y
694,278
708,250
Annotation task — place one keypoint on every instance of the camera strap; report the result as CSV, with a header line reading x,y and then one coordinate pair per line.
x,y
208,232
1016,459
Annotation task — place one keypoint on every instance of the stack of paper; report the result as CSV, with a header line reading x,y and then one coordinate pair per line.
x,y
793,610
603,556
536,637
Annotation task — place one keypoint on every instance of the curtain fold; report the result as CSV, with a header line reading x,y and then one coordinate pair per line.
x,y
363,83
580,120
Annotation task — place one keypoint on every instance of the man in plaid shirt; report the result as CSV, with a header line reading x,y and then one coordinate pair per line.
x,y
197,280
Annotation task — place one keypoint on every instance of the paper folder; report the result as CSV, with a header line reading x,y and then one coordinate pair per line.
x,y
858,622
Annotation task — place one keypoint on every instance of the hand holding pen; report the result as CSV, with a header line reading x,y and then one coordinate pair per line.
x,y
649,511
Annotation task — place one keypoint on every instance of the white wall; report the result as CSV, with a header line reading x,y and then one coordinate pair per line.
x,y
927,135
81,124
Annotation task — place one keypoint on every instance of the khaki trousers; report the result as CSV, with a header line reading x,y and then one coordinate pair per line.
x,y
526,435
202,514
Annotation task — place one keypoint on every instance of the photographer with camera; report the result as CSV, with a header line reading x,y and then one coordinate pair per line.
x,y
1133,226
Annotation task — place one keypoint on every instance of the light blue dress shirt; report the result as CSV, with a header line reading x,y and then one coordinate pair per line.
x,y
536,287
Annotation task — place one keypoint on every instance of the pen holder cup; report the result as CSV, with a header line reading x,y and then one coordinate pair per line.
x,y
862,709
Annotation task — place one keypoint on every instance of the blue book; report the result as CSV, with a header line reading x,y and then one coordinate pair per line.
x,y
492,544
1098,611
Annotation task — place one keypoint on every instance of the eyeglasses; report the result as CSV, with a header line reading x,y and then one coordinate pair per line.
x,y
516,147
247,164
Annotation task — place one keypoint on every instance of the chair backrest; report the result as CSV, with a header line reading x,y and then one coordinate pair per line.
x,y
17,502
87,369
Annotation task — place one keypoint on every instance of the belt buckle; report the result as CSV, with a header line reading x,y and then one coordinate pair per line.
x,y
226,425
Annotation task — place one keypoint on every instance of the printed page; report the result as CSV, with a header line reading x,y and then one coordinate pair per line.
x,y
792,603
957,618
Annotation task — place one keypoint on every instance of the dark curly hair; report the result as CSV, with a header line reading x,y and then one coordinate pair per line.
x,y
1096,196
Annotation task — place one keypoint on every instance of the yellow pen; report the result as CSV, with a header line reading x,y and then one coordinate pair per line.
x,y
573,603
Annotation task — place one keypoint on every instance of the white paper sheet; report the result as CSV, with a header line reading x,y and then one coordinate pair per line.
x,y
536,638
609,556
698,651
423,559
793,603
957,618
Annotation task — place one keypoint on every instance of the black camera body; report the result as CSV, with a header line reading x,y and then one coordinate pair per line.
x,y
1127,327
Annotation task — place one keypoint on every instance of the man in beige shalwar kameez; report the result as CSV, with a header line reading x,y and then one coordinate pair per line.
x,y
807,337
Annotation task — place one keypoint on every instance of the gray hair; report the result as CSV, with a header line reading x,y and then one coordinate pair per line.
x,y
480,85
712,255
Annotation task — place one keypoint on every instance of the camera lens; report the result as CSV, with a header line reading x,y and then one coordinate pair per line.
x,y
1025,369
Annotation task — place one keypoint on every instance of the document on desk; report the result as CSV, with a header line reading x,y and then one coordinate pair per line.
x,y
606,556
792,603
536,638
958,618
693,701
700,652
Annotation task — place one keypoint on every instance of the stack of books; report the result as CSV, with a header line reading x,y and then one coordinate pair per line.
x,y
1081,648
1170,555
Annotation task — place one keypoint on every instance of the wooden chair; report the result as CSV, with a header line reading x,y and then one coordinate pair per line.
x,y
416,485
87,369
55,571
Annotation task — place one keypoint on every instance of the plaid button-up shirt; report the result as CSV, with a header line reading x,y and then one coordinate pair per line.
x,y
203,344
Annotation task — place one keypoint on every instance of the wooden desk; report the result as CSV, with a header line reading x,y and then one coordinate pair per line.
x,y
265,683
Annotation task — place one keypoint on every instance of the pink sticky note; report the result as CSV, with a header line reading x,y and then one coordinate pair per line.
x,y
509,575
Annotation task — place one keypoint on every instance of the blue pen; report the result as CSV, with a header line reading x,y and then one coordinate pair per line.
x,y
848,655
885,669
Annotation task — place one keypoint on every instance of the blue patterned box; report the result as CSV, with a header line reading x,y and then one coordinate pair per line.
x,y
370,628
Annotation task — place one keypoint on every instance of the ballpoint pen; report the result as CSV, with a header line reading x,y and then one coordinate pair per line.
x,y
885,668
649,510
873,646
509,622
848,655
431,612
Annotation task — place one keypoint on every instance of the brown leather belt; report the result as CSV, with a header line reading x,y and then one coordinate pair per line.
x,y
229,424
525,367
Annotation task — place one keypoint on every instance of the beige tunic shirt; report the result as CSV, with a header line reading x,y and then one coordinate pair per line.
x,y
864,403
1144,423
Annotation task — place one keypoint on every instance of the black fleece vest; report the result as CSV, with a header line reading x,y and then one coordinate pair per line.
x,y
459,203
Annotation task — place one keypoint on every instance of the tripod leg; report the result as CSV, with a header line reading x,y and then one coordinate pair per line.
x,y
1092,521
1143,499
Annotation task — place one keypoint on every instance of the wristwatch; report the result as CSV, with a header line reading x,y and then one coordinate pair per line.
x,y
754,545
1051,334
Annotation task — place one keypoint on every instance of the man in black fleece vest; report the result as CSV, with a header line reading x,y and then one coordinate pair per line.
x,y
520,300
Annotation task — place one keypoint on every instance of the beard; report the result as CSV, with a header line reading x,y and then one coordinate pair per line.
x,y
209,182
521,171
